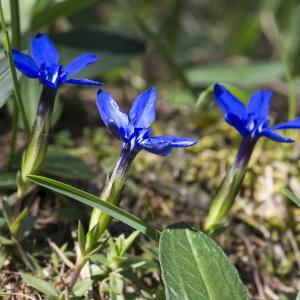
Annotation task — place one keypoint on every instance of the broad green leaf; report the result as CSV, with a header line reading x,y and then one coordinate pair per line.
x,y
113,48
298,296
64,8
81,287
6,86
61,164
244,75
195,267
96,202
40,285
292,197
8,181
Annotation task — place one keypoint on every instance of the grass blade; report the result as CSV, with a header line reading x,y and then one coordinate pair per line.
x,y
292,196
7,47
96,202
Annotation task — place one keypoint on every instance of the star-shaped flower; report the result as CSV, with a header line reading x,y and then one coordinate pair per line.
x,y
252,121
44,64
133,129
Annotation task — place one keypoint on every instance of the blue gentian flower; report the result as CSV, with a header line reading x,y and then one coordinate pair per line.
x,y
44,64
252,121
133,129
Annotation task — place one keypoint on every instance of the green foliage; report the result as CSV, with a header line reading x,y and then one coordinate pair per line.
x,y
40,285
243,75
61,164
49,13
97,203
115,48
194,267
6,87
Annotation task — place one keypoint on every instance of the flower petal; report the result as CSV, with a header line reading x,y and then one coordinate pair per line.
x,y
80,62
259,104
292,124
82,81
43,50
25,64
274,136
236,122
176,142
158,147
142,113
112,116
227,102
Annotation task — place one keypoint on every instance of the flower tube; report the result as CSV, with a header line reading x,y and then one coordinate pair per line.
x,y
252,123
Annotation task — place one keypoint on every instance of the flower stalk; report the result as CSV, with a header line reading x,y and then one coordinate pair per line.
x,y
230,186
113,189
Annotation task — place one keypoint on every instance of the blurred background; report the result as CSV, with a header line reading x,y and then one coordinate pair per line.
x,y
181,47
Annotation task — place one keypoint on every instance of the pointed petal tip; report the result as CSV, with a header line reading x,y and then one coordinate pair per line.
x,y
218,88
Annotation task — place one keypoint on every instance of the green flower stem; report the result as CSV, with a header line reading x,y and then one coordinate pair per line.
x,y
36,150
112,190
18,98
112,193
230,186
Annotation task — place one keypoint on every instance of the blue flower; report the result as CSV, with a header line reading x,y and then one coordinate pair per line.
x,y
133,129
252,121
44,64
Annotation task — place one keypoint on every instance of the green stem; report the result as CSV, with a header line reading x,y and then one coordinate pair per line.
x,y
230,186
15,16
16,26
112,190
6,42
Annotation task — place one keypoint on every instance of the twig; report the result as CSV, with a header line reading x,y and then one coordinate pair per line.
x,y
60,254
291,238
256,275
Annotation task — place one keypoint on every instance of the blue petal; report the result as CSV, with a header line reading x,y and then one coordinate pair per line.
x,y
259,104
112,116
142,113
238,123
176,142
274,136
80,62
82,81
25,64
157,146
292,124
119,133
43,50
227,102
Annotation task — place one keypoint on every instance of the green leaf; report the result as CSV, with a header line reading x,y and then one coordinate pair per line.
x,y
6,86
64,8
114,48
40,285
81,238
195,267
80,288
292,196
97,203
61,164
244,75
